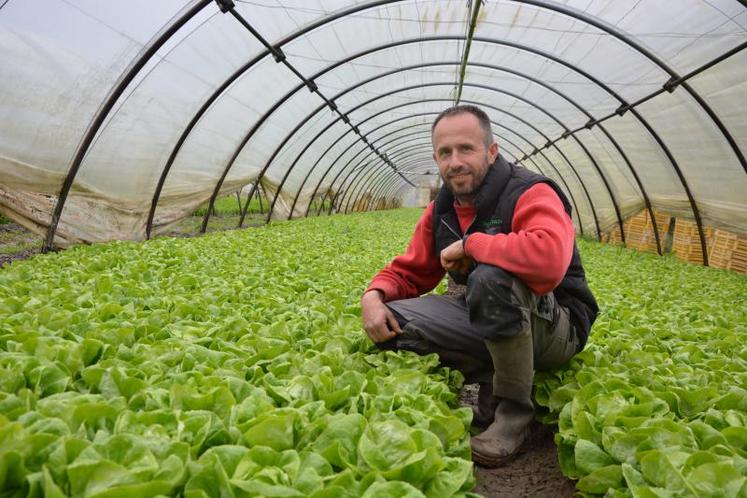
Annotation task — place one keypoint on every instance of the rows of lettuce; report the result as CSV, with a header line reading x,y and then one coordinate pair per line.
x,y
656,405
230,365
234,365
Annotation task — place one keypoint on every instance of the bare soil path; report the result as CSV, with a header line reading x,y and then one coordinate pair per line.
x,y
535,472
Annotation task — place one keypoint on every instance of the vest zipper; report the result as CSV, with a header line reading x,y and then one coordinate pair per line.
x,y
459,237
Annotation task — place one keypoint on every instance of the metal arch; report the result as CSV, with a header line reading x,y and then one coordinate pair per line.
x,y
333,66
623,102
360,174
361,191
329,168
349,171
313,167
412,164
370,179
295,199
221,88
355,182
290,168
591,204
420,163
499,42
377,186
586,151
360,167
106,107
351,187
674,77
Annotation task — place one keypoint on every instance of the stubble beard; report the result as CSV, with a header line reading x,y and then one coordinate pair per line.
x,y
467,191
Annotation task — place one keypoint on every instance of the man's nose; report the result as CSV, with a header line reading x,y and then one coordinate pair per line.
x,y
455,159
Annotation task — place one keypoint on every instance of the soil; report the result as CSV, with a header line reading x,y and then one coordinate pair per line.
x,y
535,472
17,243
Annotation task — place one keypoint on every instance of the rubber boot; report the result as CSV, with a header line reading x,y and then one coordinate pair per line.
x,y
512,385
484,413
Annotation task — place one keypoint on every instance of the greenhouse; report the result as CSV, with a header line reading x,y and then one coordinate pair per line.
x,y
196,197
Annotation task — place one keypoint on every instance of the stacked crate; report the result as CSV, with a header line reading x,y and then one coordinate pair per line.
x,y
728,251
687,245
639,231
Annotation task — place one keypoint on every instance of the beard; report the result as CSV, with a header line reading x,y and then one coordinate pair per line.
x,y
466,182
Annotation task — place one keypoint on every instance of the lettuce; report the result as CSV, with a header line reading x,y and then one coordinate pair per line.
x,y
231,365
655,405
234,365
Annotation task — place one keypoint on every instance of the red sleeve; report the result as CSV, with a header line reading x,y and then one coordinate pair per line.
x,y
417,271
540,247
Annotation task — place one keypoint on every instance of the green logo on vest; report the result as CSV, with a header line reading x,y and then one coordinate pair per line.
x,y
494,222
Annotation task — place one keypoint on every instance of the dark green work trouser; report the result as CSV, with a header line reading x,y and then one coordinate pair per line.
x,y
496,307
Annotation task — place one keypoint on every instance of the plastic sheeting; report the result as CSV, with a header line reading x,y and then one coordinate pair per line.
x,y
211,109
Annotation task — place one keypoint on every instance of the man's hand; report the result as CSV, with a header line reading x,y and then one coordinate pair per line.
x,y
454,259
378,320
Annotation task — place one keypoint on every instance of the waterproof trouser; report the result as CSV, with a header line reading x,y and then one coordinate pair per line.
x,y
499,310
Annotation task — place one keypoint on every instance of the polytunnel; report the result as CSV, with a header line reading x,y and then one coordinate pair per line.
x,y
123,120
630,107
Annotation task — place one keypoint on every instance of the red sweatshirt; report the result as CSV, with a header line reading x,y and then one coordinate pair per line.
x,y
538,250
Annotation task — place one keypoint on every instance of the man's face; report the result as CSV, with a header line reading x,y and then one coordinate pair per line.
x,y
461,154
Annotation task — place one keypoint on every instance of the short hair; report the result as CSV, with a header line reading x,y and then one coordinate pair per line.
x,y
482,118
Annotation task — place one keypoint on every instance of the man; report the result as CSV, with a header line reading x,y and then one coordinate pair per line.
x,y
507,234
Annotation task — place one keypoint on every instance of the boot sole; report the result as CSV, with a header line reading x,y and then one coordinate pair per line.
x,y
491,462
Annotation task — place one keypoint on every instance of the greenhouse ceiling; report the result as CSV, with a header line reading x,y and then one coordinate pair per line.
x,y
120,118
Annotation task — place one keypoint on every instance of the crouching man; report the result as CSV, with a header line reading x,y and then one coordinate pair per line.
x,y
507,234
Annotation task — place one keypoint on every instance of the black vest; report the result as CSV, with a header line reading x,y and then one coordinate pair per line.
x,y
495,202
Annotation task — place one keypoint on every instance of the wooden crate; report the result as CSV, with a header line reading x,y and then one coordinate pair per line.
x,y
639,231
686,245
729,251
725,249
723,246
612,237
739,256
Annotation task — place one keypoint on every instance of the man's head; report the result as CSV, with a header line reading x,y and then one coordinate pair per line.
x,y
463,148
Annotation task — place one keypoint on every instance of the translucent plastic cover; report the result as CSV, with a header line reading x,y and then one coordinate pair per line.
x,y
125,116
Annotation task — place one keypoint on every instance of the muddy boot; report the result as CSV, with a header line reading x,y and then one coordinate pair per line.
x,y
501,441
484,413
512,385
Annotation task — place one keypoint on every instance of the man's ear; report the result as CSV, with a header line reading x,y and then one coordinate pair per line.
x,y
493,152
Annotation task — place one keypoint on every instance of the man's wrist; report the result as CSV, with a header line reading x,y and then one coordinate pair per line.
x,y
374,292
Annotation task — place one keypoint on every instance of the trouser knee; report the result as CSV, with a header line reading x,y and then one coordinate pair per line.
x,y
488,280
499,303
